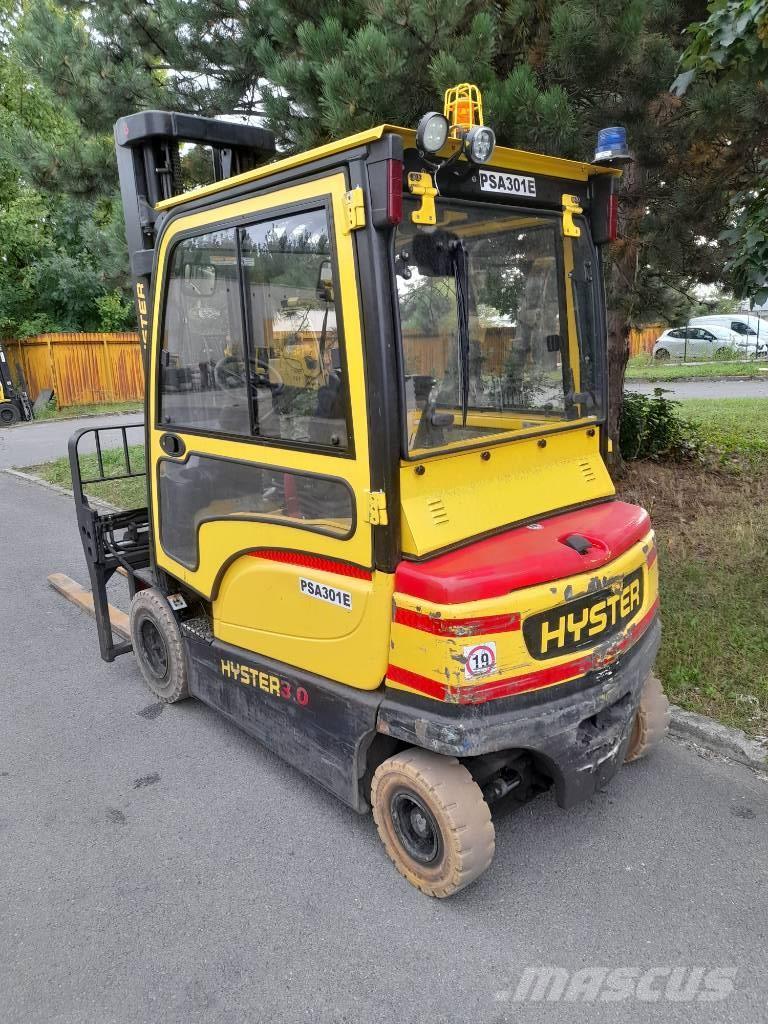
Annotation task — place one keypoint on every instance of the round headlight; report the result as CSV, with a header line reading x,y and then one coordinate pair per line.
x,y
479,144
432,132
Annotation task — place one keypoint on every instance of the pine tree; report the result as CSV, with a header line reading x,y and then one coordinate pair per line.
x,y
552,73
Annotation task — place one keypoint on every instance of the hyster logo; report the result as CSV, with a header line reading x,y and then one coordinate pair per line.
x,y
585,622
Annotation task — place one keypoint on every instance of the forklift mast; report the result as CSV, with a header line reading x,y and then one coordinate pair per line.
x,y
148,147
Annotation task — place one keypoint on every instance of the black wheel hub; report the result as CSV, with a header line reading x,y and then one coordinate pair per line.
x,y
415,826
153,648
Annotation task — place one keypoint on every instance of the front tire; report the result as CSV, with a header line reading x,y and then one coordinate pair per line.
x,y
661,355
433,821
651,720
158,646
9,414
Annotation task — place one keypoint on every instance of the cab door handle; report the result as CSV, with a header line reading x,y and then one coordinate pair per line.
x,y
172,444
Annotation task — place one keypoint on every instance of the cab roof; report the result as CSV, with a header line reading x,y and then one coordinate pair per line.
x,y
503,157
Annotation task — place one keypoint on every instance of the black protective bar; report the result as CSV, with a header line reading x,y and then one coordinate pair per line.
x,y
148,165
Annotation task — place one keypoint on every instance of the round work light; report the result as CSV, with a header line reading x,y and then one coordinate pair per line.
x,y
479,144
432,132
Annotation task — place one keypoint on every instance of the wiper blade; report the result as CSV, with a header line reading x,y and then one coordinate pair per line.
x,y
461,275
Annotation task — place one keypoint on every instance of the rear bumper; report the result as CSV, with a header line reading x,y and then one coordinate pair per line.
x,y
579,731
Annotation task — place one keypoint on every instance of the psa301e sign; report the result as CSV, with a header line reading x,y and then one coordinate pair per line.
x,y
507,184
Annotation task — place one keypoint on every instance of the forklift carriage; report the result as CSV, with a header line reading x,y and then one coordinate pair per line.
x,y
380,534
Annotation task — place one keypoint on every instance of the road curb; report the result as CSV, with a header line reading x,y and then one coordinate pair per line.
x,y
63,491
722,739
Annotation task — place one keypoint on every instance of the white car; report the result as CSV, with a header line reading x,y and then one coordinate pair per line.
x,y
697,342
751,330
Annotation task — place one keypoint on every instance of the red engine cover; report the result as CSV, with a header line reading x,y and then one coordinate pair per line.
x,y
525,555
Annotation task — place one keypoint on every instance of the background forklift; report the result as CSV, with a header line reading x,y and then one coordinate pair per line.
x,y
15,406
380,533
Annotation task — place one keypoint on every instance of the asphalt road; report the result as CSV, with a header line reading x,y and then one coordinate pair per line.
x,y
29,444
704,388
159,866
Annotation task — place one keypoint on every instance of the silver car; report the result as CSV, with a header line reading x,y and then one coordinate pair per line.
x,y
696,342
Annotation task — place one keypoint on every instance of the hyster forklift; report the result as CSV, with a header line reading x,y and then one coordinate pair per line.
x,y
380,534
14,402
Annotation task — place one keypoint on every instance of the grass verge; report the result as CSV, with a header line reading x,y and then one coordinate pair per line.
x,y
646,368
711,524
736,427
131,493
51,412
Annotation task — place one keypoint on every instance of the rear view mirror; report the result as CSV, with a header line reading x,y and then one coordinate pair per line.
x,y
199,279
325,282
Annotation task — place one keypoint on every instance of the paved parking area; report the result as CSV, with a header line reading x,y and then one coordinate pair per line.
x,y
29,444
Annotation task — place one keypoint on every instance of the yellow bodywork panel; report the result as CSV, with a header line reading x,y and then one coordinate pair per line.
x,y
441,658
345,638
463,494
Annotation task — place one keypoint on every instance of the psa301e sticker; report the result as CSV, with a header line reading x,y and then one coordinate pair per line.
x,y
331,595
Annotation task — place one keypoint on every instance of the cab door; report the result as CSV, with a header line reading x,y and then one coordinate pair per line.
x,y
259,437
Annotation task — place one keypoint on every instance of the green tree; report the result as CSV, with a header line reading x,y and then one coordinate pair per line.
x,y
552,72
63,247
732,45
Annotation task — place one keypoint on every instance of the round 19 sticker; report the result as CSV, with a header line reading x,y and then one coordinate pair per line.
x,y
479,660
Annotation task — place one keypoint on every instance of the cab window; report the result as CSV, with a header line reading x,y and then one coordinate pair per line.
x,y
299,380
202,386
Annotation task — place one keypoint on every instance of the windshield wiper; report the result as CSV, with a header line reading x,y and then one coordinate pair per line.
x,y
461,275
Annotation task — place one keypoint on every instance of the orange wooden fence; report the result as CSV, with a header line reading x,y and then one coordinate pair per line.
x,y
86,368
81,368
642,339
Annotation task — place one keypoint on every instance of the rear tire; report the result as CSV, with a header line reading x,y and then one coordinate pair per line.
x,y
433,821
651,720
9,414
661,355
158,646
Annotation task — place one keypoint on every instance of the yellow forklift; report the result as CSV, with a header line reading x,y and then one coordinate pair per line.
x,y
380,534
15,406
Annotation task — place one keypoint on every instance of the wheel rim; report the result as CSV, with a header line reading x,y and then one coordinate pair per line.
x,y
154,649
415,827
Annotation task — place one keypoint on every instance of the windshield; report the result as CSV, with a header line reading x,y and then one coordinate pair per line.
x,y
484,315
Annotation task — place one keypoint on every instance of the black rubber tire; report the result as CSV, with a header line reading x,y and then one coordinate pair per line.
x,y
661,355
722,354
163,665
651,721
460,816
9,414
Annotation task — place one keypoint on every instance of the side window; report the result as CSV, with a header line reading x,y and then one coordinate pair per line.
x,y
202,488
741,328
300,387
202,362
675,334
